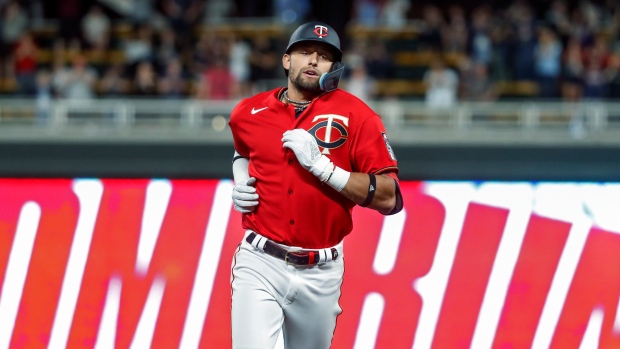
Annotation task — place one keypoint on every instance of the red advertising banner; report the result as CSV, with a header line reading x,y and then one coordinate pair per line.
x,y
112,263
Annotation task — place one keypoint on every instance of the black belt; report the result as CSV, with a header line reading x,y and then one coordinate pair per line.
x,y
297,257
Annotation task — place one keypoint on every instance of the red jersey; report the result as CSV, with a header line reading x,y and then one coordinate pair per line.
x,y
295,208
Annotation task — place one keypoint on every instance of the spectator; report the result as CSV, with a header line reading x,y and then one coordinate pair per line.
x,y
140,47
58,73
572,71
433,24
595,79
263,59
217,82
378,61
613,72
145,80
557,17
481,49
113,84
182,16
239,64
167,49
78,82
25,56
202,54
455,34
394,13
96,28
359,83
13,24
525,41
477,84
44,96
367,12
579,28
172,82
592,15
441,85
501,43
356,53
548,53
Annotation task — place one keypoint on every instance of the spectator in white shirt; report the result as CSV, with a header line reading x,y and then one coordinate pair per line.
x,y
441,85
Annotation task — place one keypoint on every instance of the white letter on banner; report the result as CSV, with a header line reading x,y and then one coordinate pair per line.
x,y
207,265
155,206
389,242
370,318
143,337
562,202
518,199
17,269
455,197
89,193
106,337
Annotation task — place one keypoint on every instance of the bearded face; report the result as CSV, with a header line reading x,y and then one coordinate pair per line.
x,y
306,63
303,83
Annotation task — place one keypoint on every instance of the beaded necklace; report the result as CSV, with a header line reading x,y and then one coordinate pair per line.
x,y
296,103
299,106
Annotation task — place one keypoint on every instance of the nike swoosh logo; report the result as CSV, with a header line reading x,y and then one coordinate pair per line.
x,y
254,111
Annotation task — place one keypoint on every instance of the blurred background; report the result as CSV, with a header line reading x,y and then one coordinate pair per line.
x,y
115,159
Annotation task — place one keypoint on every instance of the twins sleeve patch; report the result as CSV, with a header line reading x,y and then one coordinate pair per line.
x,y
388,146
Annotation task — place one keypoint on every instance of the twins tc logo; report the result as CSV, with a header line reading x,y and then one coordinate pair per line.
x,y
330,124
320,30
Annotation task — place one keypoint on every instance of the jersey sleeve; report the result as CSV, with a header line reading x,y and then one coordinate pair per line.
x,y
237,129
371,151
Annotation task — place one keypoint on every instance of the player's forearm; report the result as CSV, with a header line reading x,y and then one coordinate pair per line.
x,y
240,168
384,199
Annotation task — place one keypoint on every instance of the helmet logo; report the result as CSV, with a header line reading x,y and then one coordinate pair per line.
x,y
320,31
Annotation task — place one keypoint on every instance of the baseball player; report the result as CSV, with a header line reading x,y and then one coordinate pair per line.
x,y
305,155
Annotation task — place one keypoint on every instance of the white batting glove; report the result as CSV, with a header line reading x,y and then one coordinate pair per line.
x,y
307,151
244,196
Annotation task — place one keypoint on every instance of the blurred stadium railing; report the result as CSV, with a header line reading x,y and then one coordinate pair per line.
x,y
407,122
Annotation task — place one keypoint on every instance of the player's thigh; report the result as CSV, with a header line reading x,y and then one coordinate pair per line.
x,y
311,319
256,314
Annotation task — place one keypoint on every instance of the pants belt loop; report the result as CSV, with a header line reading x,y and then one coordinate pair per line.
x,y
323,255
260,242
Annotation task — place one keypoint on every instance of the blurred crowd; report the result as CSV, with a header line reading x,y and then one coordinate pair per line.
x,y
567,50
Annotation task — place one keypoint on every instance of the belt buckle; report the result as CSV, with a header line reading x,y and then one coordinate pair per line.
x,y
286,256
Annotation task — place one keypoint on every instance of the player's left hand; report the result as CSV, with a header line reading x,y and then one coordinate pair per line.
x,y
307,152
244,196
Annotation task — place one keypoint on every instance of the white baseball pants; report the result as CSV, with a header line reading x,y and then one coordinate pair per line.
x,y
269,296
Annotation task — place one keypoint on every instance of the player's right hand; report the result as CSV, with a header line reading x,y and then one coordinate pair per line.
x,y
244,196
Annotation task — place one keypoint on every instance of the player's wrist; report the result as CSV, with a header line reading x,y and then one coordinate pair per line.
x,y
322,168
338,178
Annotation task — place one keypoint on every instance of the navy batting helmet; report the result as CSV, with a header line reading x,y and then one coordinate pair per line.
x,y
321,32
316,31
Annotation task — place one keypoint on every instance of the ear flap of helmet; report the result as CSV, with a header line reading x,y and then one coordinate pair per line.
x,y
329,81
